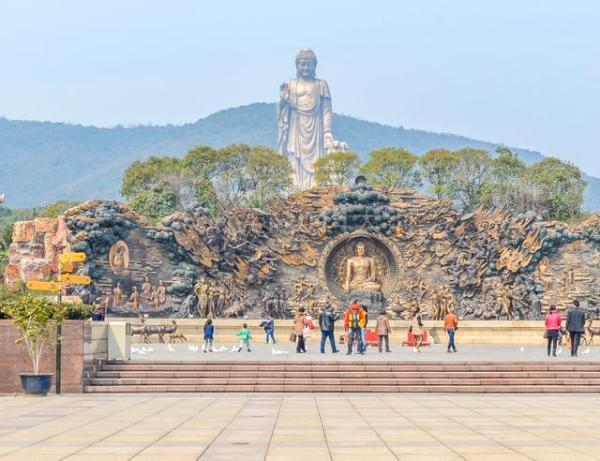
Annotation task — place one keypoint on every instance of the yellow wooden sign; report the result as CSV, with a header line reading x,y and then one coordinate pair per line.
x,y
67,268
78,257
39,285
75,279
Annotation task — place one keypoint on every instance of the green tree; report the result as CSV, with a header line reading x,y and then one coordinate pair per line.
x,y
336,168
392,167
232,174
155,203
470,180
56,209
162,185
508,188
268,176
559,186
143,175
438,167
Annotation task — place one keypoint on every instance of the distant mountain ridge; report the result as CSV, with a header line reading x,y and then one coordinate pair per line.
x,y
42,162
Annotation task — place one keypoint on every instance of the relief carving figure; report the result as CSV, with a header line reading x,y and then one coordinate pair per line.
x,y
360,272
544,274
118,257
161,293
506,302
117,296
304,119
146,290
202,290
568,280
134,299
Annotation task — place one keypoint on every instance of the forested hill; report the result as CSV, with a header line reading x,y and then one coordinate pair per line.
x,y
42,162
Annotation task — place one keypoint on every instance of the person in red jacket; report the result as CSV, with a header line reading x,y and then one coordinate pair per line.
x,y
553,321
354,318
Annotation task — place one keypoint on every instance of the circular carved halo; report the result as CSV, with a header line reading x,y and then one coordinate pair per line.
x,y
118,257
388,261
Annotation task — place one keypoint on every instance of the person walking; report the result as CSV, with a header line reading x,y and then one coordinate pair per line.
x,y
553,321
416,328
451,325
327,324
245,337
363,328
383,331
269,327
575,326
298,327
353,318
209,334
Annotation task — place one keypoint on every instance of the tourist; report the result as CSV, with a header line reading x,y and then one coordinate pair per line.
x,y
309,326
353,318
245,337
363,328
553,321
416,329
383,331
327,324
209,334
575,326
298,327
269,327
451,325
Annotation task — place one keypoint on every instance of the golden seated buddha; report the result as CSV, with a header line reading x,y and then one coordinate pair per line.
x,y
360,272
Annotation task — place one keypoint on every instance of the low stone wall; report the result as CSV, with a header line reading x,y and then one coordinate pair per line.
x,y
82,343
470,331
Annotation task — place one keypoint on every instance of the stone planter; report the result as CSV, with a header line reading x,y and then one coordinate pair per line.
x,y
36,384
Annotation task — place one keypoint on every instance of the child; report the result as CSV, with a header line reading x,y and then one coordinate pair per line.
x,y
245,337
209,333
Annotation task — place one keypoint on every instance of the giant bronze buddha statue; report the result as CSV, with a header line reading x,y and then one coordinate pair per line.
x,y
360,273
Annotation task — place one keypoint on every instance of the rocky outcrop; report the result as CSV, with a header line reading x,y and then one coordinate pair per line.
x,y
34,250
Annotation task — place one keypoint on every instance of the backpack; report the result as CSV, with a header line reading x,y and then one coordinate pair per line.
x,y
354,319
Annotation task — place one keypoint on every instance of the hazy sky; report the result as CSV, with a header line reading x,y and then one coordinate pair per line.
x,y
525,73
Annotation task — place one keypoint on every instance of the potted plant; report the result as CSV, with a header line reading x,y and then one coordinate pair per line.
x,y
36,319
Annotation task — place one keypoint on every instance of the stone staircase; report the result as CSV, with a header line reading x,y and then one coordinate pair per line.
x,y
337,376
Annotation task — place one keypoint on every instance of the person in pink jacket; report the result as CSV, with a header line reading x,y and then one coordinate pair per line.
x,y
553,321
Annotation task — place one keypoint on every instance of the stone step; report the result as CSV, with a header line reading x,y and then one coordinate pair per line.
x,y
332,376
345,374
370,367
388,381
343,388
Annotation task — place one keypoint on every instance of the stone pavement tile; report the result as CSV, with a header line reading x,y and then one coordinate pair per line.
x,y
447,457
98,457
432,449
33,457
229,455
552,453
361,454
300,455
166,456
496,457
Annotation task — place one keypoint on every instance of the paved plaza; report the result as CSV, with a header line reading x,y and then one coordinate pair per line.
x,y
285,351
300,427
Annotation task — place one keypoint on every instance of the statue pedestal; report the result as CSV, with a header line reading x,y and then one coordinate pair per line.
x,y
372,300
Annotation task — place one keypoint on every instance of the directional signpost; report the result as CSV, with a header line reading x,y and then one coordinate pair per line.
x,y
39,285
65,266
75,279
78,257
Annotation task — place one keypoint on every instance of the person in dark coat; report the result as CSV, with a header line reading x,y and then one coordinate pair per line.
x,y
327,323
575,326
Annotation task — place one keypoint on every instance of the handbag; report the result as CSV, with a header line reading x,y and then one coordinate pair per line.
x,y
293,337
546,334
